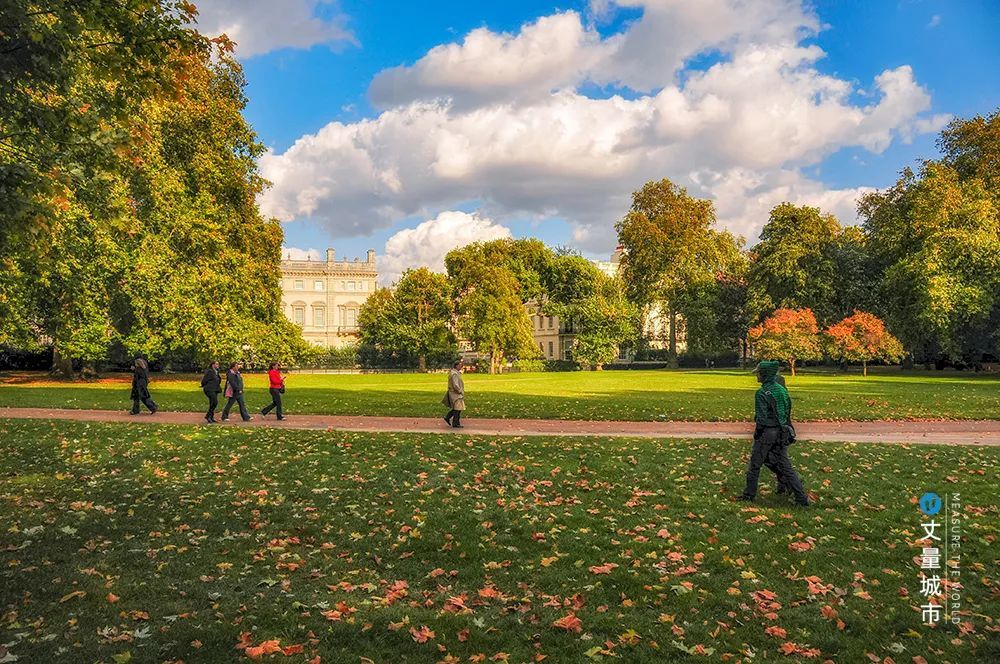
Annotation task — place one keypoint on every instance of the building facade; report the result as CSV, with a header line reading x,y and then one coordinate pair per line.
x,y
324,297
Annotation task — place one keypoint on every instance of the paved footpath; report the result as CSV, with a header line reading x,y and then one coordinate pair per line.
x,y
957,432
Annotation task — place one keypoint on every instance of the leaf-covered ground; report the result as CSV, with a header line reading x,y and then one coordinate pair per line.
x,y
151,543
727,395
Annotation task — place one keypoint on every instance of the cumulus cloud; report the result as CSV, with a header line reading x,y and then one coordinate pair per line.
x,y
428,243
297,254
259,26
501,120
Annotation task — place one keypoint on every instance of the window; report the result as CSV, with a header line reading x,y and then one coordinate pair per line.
x,y
299,315
551,353
351,285
319,317
318,285
550,321
299,285
343,285
568,350
351,317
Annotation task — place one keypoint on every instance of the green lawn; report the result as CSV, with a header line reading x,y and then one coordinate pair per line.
x,y
150,543
608,395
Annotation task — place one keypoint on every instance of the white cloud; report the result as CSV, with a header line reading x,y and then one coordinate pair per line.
x,y
935,21
502,121
259,26
428,243
297,254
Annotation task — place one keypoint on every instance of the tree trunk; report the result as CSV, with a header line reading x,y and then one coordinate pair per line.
x,y
422,363
598,367
61,365
864,368
791,363
89,369
672,344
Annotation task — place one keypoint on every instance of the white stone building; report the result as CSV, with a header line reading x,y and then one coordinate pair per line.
x,y
324,297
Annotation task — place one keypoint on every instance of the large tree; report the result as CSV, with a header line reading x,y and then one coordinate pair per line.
x,y
492,316
412,321
605,320
153,243
935,239
668,245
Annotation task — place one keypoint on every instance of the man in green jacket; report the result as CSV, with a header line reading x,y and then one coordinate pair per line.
x,y
772,411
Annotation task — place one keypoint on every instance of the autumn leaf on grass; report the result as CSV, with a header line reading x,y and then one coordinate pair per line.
x,y
422,635
800,546
602,569
76,593
569,622
265,648
776,632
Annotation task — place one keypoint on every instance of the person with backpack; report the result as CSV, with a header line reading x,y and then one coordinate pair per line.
x,y
276,387
773,434
234,393
211,385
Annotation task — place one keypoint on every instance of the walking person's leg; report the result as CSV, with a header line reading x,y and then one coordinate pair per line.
x,y
229,405
276,401
241,400
213,403
150,404
269,407
449,416
135,407
456,421
790,477
758,455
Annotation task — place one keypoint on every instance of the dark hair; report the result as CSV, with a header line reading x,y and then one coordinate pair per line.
x,y
232,365
273,365
457,362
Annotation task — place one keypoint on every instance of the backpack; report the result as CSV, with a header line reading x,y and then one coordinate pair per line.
x,y
787,436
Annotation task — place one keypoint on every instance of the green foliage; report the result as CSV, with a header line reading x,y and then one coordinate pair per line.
x,y
805,259
605,321
935,237
669,246
344,357
414,321
135,164
494,319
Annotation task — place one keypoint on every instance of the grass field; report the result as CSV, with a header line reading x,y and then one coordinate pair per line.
x,y
608,395
149,543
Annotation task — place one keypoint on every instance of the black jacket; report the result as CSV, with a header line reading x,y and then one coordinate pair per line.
x,y
235,380
211,381
140,383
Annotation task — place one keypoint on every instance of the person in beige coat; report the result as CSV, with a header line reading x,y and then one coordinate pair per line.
x,y
455,397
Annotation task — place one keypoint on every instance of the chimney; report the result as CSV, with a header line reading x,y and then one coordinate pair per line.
x,y
371,256
330,256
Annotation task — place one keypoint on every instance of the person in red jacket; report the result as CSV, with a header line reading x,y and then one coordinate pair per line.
x,y
276,386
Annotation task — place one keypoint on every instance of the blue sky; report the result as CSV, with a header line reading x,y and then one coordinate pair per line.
x,y
296,90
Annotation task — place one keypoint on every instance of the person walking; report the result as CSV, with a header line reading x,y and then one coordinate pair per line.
x,y
455,397
211,385
276,386
234,393
140,387
772,415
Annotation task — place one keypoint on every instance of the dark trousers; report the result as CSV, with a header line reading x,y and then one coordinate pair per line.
x,y
147,401
768,450
213,403
239,400
454,417
275,404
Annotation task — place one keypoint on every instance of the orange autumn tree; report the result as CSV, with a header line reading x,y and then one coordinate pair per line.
x,y
862,338
788,334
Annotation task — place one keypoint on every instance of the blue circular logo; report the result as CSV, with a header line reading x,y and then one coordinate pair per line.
x,y
930,503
